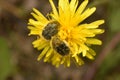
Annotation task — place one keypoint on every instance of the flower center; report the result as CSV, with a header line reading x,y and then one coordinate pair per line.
x,y
64,33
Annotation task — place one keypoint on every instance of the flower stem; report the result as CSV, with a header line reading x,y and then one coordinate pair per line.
x,y
106,50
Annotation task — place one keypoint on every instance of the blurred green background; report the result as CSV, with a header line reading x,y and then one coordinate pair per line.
x,y
18,57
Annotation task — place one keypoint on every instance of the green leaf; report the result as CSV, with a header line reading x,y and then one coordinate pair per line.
x,y
115,21
5,65
111,61
114,15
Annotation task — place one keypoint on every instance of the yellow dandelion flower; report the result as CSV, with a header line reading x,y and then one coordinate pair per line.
x,y
63,37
